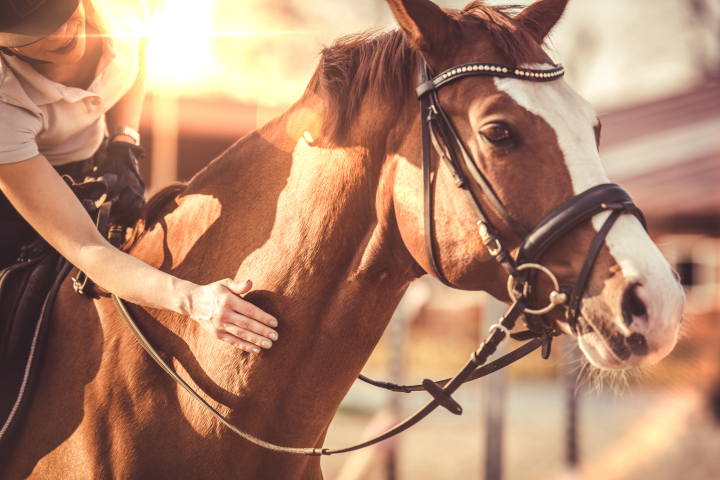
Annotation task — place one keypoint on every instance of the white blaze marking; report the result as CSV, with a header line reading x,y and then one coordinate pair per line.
x,y
573,118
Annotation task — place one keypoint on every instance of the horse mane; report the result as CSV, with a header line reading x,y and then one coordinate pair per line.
x,y
384,63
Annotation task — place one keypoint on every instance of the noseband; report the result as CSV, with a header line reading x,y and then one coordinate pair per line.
x,y
438,129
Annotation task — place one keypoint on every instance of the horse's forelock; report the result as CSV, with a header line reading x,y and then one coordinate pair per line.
x,y
513,41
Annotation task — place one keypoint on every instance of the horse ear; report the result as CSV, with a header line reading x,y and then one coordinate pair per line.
x,y
540,17
425,25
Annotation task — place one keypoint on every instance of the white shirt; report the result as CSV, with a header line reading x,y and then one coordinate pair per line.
x,y
67,124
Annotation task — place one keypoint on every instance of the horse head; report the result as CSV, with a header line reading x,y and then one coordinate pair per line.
x,y
535,141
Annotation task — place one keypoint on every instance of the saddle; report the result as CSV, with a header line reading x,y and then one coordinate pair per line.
x,y
27,294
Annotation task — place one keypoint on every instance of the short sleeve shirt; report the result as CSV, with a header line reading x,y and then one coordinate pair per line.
x,y
67,124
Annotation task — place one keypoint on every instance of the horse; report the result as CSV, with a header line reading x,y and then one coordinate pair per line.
x,y
323,208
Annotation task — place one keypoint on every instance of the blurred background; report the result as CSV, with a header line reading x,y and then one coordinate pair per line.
x,y
651,68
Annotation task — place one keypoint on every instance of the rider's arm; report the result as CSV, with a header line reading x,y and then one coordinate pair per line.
x,y
46,202
126,112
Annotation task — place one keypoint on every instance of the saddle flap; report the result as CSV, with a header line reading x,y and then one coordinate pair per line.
x,y
24,291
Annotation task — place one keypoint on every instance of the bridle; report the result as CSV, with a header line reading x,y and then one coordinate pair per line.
x,y
437,128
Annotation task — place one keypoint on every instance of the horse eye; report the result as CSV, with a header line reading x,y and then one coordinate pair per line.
x,y
496,133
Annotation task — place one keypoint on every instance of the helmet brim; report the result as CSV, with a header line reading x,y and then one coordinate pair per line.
x,y
38,24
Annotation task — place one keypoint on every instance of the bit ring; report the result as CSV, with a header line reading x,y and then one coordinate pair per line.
x,y
556,296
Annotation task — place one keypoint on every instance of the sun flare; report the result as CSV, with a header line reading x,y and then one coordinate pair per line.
x,y
179,44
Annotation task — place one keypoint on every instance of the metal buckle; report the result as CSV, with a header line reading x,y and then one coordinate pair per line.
x,y
502,328
556,296
489,239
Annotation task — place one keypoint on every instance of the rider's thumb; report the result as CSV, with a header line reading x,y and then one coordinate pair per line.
x,y
238,288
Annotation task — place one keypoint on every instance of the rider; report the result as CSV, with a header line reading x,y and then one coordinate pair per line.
x,y
71,90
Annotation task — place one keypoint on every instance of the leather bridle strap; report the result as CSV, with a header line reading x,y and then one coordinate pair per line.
x,y
582,278
432,118
125,314
570,214
428,193
480,372
437,128
441,393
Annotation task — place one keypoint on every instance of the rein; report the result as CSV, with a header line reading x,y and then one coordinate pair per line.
x,y
439,130
440,391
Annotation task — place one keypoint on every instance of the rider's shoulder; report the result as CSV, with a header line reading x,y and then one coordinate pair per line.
x,y
11,90
14,86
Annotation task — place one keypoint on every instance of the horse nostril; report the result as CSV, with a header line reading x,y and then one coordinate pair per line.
x,y
637,344
632,305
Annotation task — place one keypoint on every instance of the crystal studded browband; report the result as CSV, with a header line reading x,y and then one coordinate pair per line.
x,y
492,69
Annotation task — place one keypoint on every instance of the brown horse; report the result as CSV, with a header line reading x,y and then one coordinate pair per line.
x,y
322,208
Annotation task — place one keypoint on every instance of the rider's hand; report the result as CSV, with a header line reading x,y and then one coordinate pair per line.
x,y
219,309
121,175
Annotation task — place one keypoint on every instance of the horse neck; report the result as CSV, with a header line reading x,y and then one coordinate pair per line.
x,y
312,225
282,188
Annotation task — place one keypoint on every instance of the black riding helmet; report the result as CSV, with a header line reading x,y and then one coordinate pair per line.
x,y
23,22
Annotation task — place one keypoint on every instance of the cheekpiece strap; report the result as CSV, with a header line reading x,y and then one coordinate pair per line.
x,y
489,69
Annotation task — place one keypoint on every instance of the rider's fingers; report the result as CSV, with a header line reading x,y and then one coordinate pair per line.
x,y
246,308
251,325
238,342
249,310
248,336
237,288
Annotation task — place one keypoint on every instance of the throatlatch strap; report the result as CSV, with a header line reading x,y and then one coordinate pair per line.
x,y
427,183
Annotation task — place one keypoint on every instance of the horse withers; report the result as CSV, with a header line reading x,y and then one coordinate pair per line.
x,y
323,208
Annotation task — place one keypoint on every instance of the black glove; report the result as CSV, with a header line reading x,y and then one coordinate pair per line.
x,y
120,174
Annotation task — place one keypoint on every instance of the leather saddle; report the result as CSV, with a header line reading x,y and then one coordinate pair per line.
x,y
27,294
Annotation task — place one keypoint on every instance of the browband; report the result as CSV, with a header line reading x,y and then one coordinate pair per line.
x,y
492,70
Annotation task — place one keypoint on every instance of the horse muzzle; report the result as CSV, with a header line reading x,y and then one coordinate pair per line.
x,y
638,330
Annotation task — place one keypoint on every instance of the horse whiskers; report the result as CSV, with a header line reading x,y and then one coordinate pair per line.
x,y
616,381
597,379
690,325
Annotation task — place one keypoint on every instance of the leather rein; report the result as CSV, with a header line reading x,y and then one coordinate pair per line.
x,y
439,130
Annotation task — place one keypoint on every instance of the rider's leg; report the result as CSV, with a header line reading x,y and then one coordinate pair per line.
x,y
14,233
